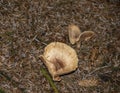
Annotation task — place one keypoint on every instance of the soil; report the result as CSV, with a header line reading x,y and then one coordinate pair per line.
x,y
27,26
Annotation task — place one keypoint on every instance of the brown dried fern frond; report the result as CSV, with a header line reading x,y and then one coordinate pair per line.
x,y
89,82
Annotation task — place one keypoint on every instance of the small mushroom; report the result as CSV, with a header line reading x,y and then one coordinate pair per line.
x,y
86,35
60,59
74,33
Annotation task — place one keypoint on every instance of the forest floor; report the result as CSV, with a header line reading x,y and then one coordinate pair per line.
x,y
27,26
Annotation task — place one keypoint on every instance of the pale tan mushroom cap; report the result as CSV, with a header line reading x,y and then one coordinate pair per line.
x,y
60,58
86,35
74,33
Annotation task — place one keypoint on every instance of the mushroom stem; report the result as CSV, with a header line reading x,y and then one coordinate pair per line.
x,y
78,44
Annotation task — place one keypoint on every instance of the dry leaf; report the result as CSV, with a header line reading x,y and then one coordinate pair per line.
x,y
88,82
60,59
74,33
94,54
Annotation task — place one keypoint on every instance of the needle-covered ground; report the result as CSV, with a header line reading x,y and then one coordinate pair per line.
x,y
27,26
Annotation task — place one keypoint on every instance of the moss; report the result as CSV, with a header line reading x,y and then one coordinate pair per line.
x,y
5,75
9,33
2,91
115,69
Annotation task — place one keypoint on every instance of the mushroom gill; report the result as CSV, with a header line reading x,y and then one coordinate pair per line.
x,y
60,59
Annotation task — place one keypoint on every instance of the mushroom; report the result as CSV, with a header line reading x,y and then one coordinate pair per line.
x,y
76,36
60,59
86,35
74,33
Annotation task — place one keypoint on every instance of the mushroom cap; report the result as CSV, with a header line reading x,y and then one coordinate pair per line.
x,y
60,58
74,33
86,35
